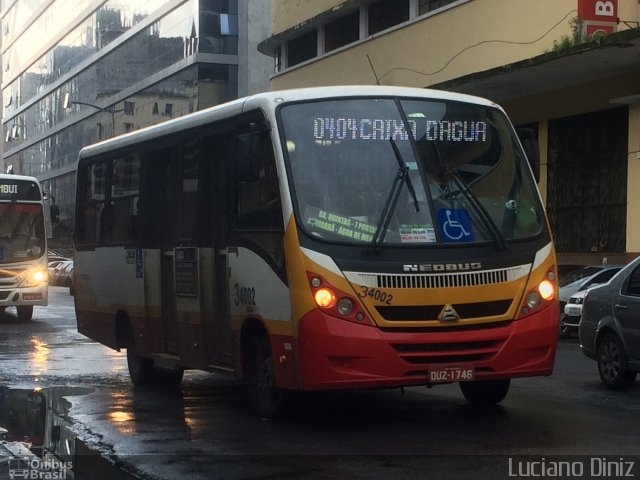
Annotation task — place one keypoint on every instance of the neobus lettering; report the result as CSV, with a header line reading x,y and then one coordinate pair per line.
x,y
9,189
442,267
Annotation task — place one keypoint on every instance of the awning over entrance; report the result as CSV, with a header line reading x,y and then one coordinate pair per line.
x,y
609,57
586,147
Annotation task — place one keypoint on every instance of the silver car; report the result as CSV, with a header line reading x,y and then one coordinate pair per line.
x,y
578,281
610,327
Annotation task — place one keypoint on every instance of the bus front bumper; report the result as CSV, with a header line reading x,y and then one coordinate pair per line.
x,y
17,297
338,354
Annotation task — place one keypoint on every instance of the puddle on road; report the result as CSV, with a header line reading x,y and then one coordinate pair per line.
x,y
38,440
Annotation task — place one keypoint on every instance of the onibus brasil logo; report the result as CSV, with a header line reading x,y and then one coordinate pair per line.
x,y
38,469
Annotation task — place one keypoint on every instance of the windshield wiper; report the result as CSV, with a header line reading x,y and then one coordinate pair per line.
x,y
402,177
485,218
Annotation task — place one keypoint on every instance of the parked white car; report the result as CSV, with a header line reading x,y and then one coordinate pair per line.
x,y
570,319
572,310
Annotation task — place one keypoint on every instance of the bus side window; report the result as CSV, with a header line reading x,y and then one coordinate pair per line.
x,y
258,195
257,208
153,222
122,209
91,203
188,213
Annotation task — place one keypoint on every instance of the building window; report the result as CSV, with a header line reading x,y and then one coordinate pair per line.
x,y
342,31
386,14
426,6
277,59
587,178
155,111
302,48
168,109
129,108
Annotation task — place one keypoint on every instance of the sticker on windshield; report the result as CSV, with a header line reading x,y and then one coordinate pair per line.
x,y
455,225
347,227
417,234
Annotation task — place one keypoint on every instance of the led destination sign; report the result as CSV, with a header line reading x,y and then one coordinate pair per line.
x,y
19,190
343,128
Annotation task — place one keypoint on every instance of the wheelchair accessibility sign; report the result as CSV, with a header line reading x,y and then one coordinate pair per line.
x,y
455,225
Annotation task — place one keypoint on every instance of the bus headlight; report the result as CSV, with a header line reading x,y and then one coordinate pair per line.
x,y
533,300
546,290
336,302
540,296
325,298
34,277
345,306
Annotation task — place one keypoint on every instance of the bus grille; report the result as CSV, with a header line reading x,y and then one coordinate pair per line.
x,y
458,352
469,279
9,273
439,279
9,277
431,312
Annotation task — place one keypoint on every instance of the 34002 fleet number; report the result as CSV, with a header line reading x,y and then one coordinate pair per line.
x,y
244,295
376,294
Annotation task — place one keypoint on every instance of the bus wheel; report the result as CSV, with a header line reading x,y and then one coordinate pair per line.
x,y
485,391
25,313
140,368
267,398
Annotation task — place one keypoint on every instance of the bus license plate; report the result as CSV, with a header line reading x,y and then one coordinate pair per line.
x,y
31,296
451,374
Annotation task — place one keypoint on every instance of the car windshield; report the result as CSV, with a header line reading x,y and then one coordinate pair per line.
x,y
576,276
21,232
354,169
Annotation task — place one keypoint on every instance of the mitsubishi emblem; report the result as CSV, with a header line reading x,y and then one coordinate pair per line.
x,y
448,314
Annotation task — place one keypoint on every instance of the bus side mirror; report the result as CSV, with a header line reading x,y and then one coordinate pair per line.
x,y
54,213
529,142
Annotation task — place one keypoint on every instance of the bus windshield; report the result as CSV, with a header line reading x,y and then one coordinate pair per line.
x,y
464,177
21,232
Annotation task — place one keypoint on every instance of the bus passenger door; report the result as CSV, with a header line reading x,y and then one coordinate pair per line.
x,y
222,326
168,301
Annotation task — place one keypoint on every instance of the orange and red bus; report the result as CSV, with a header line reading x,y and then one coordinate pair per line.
x,y
318,239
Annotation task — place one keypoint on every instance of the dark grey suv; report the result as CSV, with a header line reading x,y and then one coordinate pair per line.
x,y
610,327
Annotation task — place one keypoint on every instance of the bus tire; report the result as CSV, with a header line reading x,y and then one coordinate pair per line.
x,y
485,391
141,369
267,398
25,313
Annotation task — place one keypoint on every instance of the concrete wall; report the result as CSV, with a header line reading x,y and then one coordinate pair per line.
x,y
286,14
254,68
467,38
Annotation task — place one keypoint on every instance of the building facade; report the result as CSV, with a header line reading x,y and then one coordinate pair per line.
x,y
567,68
79,71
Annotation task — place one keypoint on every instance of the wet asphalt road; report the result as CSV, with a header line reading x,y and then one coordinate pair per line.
x,y
207,429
